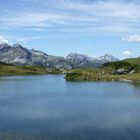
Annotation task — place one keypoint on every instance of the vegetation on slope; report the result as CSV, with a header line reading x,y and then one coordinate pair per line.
x,y
112,71
134,61
9,69
127,70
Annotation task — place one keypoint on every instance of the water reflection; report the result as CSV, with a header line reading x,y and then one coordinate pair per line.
x,y
47,107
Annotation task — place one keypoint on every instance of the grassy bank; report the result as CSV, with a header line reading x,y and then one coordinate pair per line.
x,y
106,73
92,75
9,70
109,72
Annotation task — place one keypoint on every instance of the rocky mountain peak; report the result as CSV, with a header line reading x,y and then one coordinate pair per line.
x,y
108,57
38,53
76,55
19,55
18,46
4,45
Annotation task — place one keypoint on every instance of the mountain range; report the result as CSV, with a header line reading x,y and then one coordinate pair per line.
x,y
19,55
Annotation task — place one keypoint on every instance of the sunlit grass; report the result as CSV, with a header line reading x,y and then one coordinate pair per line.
x,y
6,69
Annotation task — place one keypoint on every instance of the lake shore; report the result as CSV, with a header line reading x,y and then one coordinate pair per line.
x,y
87,74
93,75
12,70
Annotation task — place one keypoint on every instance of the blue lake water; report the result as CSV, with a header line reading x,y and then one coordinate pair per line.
x,y
49,108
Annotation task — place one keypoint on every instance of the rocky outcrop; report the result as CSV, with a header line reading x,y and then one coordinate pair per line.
x,y
123,71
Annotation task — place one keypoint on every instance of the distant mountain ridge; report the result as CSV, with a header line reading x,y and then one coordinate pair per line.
x,y
19,55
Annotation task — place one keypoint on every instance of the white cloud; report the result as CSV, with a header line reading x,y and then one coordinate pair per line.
x,y
3,40
109,16
27,39
127,53
132,38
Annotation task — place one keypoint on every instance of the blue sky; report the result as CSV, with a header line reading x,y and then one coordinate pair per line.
x,y
58,27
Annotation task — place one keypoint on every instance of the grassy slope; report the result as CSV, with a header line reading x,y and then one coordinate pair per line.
x,y
134,61
105,73
93,75
100,74
7,69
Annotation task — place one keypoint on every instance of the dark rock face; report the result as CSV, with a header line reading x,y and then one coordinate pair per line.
x,y
20,55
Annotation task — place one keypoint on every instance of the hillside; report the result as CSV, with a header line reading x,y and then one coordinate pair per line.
x,y
9,69
133,61
112,71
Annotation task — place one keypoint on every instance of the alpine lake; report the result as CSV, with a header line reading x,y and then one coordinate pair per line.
x,y
49,108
